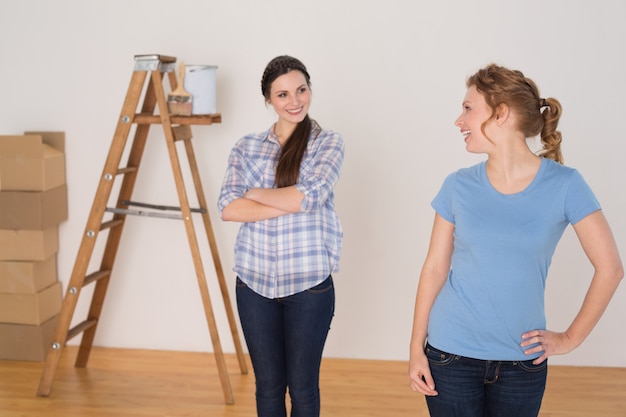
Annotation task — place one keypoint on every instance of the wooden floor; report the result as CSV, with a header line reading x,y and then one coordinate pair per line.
x,y
142,383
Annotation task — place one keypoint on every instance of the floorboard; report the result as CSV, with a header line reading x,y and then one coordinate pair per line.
x,y
142,383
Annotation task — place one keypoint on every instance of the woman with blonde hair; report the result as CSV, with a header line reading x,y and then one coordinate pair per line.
x,y
479,345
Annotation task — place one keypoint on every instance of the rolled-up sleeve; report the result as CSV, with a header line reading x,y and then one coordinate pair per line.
x,y
321,169
233,186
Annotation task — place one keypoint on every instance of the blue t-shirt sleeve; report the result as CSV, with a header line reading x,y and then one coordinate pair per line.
x,y
580,200
442,203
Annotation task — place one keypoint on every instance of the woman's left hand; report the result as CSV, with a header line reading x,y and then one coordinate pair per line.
x,y
546,341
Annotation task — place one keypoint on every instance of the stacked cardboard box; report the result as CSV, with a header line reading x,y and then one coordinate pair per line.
x,y
33,201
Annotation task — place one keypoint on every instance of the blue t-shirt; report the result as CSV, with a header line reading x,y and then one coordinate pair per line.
x,y
503,246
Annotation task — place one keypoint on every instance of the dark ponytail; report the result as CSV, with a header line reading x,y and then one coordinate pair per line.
x,y
288,167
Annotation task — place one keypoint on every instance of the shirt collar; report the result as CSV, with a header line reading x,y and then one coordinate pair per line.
x,y
270,136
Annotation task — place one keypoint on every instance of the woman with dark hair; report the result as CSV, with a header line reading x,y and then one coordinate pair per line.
x,y
280,185
480,346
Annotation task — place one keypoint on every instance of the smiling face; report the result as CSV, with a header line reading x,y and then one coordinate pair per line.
x,y
475,113
290,96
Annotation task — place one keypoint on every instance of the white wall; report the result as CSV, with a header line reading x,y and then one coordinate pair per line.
x,y
389,76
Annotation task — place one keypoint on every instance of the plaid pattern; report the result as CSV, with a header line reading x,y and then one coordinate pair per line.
x,y
291,253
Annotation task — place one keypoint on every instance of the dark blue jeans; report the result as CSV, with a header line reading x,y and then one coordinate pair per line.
x,y
477,388
285,339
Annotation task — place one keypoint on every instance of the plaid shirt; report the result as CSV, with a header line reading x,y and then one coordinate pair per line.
x,y
288,254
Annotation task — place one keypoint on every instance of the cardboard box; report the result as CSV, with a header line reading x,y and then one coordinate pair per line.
x,y
28,245
33,209
31,308
27,277
32,162
22,342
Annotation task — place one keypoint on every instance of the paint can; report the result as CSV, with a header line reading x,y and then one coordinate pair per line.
x,y
200,82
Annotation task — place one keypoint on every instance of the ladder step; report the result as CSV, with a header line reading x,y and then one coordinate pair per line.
x,y
80,327
126,170
111,224
195,119
96,276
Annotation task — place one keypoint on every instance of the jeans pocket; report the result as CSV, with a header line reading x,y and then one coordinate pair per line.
x,y
438,357
240,284
322,287
528,366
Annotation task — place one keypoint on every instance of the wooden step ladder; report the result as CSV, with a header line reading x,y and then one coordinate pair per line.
x,y
175,128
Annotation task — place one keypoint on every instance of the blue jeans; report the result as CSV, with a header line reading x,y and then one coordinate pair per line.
x,y
285,339
478,388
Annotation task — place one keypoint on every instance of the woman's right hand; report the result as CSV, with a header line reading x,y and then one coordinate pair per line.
x,y
419,375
